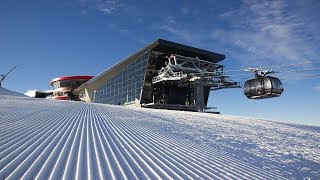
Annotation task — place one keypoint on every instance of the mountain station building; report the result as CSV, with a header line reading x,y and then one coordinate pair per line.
x,y
163,74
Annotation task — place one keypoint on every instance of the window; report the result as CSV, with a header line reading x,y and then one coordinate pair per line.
x,y
126,86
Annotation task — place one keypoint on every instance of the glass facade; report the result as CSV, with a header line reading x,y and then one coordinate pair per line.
x,y
126,86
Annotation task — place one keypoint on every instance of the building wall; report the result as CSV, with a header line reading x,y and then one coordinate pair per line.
x,y
125,87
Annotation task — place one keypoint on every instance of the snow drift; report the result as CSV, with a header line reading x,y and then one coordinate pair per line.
x,y
63,139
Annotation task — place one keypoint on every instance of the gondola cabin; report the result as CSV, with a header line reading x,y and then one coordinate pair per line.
x,y
262,87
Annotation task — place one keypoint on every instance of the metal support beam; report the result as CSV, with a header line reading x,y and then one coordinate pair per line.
x,y
199,96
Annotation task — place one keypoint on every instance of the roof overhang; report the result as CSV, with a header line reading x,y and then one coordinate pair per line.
x,y
188,51
71,78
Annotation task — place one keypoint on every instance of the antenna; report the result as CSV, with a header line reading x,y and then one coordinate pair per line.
x,y
4,76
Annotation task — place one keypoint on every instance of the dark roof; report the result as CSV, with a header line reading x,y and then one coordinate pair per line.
x,y
184,50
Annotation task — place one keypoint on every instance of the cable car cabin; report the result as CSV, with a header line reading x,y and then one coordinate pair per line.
x,y
263,87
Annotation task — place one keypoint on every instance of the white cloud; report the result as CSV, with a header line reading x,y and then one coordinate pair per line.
x,y
261,33
132,11
109,6
183,34
124,31
258,33
268,32
112,6
184,10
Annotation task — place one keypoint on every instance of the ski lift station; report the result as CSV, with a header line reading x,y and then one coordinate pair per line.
x,y
163,74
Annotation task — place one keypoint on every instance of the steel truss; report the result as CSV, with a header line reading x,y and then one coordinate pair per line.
x,y
189,71
195,74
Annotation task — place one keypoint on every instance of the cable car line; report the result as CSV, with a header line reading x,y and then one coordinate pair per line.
x,y
280,72
304,78
300,70
284,65
316,74
237,74
278,66
285,77
287,71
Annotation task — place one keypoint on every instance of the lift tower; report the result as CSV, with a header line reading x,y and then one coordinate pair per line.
x,y
5,75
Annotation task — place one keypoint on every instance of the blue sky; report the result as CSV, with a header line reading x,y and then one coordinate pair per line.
x,y
52,38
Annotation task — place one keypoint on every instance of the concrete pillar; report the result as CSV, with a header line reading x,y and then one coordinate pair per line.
x,y
89,93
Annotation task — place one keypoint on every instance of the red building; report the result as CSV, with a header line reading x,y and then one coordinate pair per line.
x,y
63,86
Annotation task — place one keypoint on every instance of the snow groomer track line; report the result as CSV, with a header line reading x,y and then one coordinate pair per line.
x,y
42,139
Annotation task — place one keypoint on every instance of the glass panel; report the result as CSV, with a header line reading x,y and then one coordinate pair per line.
x,y
126,86
276,83
247,86
259,84
267,83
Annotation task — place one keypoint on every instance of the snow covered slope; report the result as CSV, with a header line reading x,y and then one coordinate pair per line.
x,y
6,92
63,139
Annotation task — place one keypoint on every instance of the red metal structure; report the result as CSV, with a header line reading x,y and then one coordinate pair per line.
x,y
63,86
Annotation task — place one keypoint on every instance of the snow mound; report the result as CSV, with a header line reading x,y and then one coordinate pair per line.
x,y
43,139
6,92
31,93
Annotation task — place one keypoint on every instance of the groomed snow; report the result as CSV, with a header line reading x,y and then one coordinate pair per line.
x,y
63,139
6,92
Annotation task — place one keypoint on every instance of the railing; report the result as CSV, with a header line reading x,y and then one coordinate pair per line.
x,y
188,64
168,77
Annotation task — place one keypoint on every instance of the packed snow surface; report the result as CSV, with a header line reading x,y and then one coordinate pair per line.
x,y
47,139
6,92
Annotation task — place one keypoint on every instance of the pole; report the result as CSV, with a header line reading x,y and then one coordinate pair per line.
x,y
4,76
